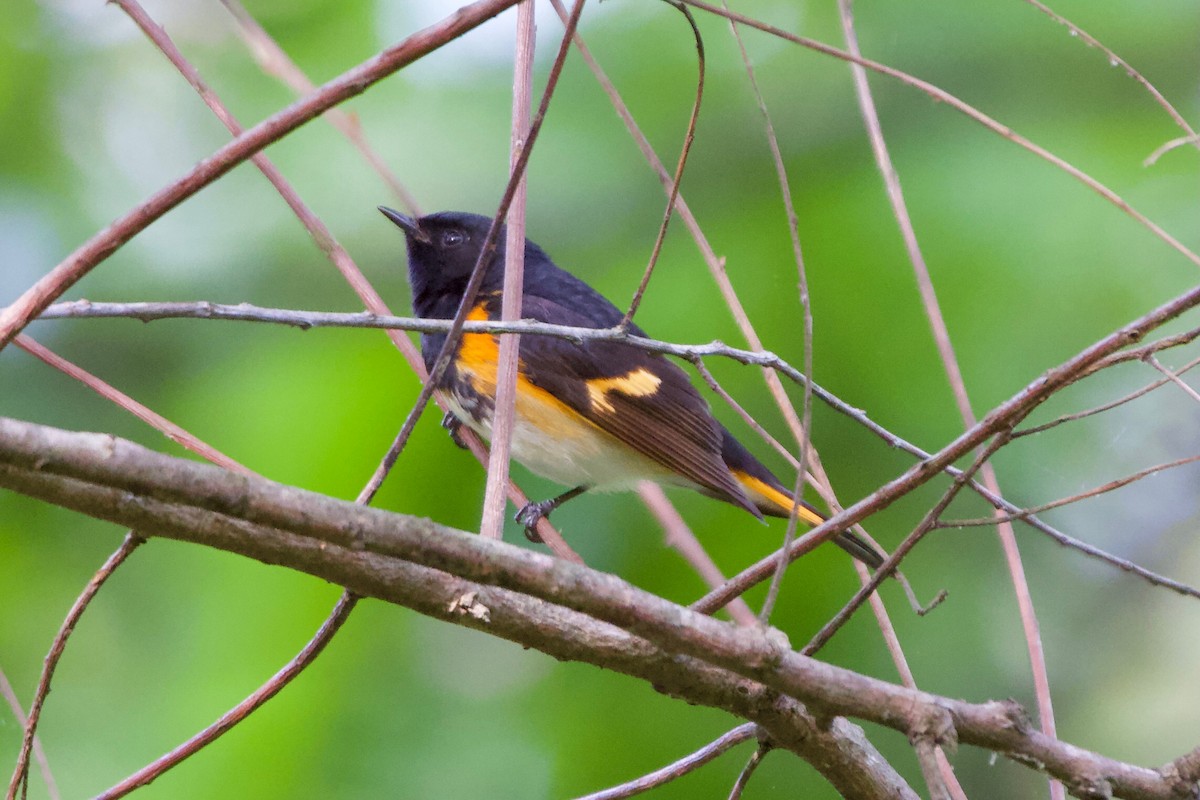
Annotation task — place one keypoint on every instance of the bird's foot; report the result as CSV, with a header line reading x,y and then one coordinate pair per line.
x,y
533,513
453,426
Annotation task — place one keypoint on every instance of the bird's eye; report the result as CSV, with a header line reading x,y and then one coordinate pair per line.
x,y
453,238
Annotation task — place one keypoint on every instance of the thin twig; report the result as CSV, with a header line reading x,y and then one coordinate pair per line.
x,y
927,524
942,96
941,336
677,769
233,716
673,193
793,224
39,753
1116,61
1173,378
926,752
1075,498
109,392
1167,147
743,778
352,82
504,414
275,61
21,772
679,536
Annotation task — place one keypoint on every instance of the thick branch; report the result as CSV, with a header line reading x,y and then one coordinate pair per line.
x,y
404,560
840,751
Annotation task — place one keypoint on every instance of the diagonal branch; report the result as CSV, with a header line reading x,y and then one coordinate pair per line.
x,y
353,82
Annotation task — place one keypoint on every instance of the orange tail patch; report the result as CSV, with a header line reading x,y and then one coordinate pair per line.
x,y
773,501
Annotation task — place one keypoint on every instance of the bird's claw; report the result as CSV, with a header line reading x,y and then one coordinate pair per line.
x,y
453,426
531,514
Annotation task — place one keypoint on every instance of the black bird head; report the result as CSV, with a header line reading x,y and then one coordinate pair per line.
x,y
442,251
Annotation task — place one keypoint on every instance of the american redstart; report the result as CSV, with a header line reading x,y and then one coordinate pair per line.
x,y
599,415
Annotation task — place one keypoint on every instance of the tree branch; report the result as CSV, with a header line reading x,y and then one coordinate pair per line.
x,y
564,609
350,83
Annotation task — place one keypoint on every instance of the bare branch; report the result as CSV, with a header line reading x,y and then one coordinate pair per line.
x,y
345,552
492,524
678,535
689,763
1116,61
83,309
1173,378
274,61
355,81
20,773
404,559
942,96
106,390
324,634
743,778
673,192
945,348
1075,498
39,754
1000,418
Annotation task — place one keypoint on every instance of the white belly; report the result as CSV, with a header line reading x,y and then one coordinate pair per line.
x,y
567,448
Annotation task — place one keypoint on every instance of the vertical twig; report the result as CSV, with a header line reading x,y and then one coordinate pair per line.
x,y
945,349
492,524
793,223
673,193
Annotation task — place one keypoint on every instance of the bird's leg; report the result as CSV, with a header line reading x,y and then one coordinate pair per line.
x,y
532,513
453,425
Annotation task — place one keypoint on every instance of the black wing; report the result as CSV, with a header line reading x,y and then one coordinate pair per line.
x,y
640,398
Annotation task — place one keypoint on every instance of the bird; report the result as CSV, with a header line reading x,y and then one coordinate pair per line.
x,y
597,415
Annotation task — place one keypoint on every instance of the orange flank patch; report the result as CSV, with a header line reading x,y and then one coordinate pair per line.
x,y
641,382
761,493
479,354
478,358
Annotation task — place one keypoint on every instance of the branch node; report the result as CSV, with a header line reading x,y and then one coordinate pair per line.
x,y
468,605
934,725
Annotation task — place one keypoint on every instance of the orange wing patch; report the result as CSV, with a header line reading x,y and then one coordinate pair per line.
x,y
641,382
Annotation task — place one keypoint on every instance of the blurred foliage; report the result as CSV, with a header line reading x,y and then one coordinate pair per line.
x,y
1029,266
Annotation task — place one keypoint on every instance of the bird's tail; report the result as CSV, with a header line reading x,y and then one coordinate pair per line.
x,y
770,497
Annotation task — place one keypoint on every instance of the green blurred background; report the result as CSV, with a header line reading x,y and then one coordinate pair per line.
x,y
1029,265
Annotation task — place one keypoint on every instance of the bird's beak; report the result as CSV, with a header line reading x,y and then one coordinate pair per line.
x,y
406,224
